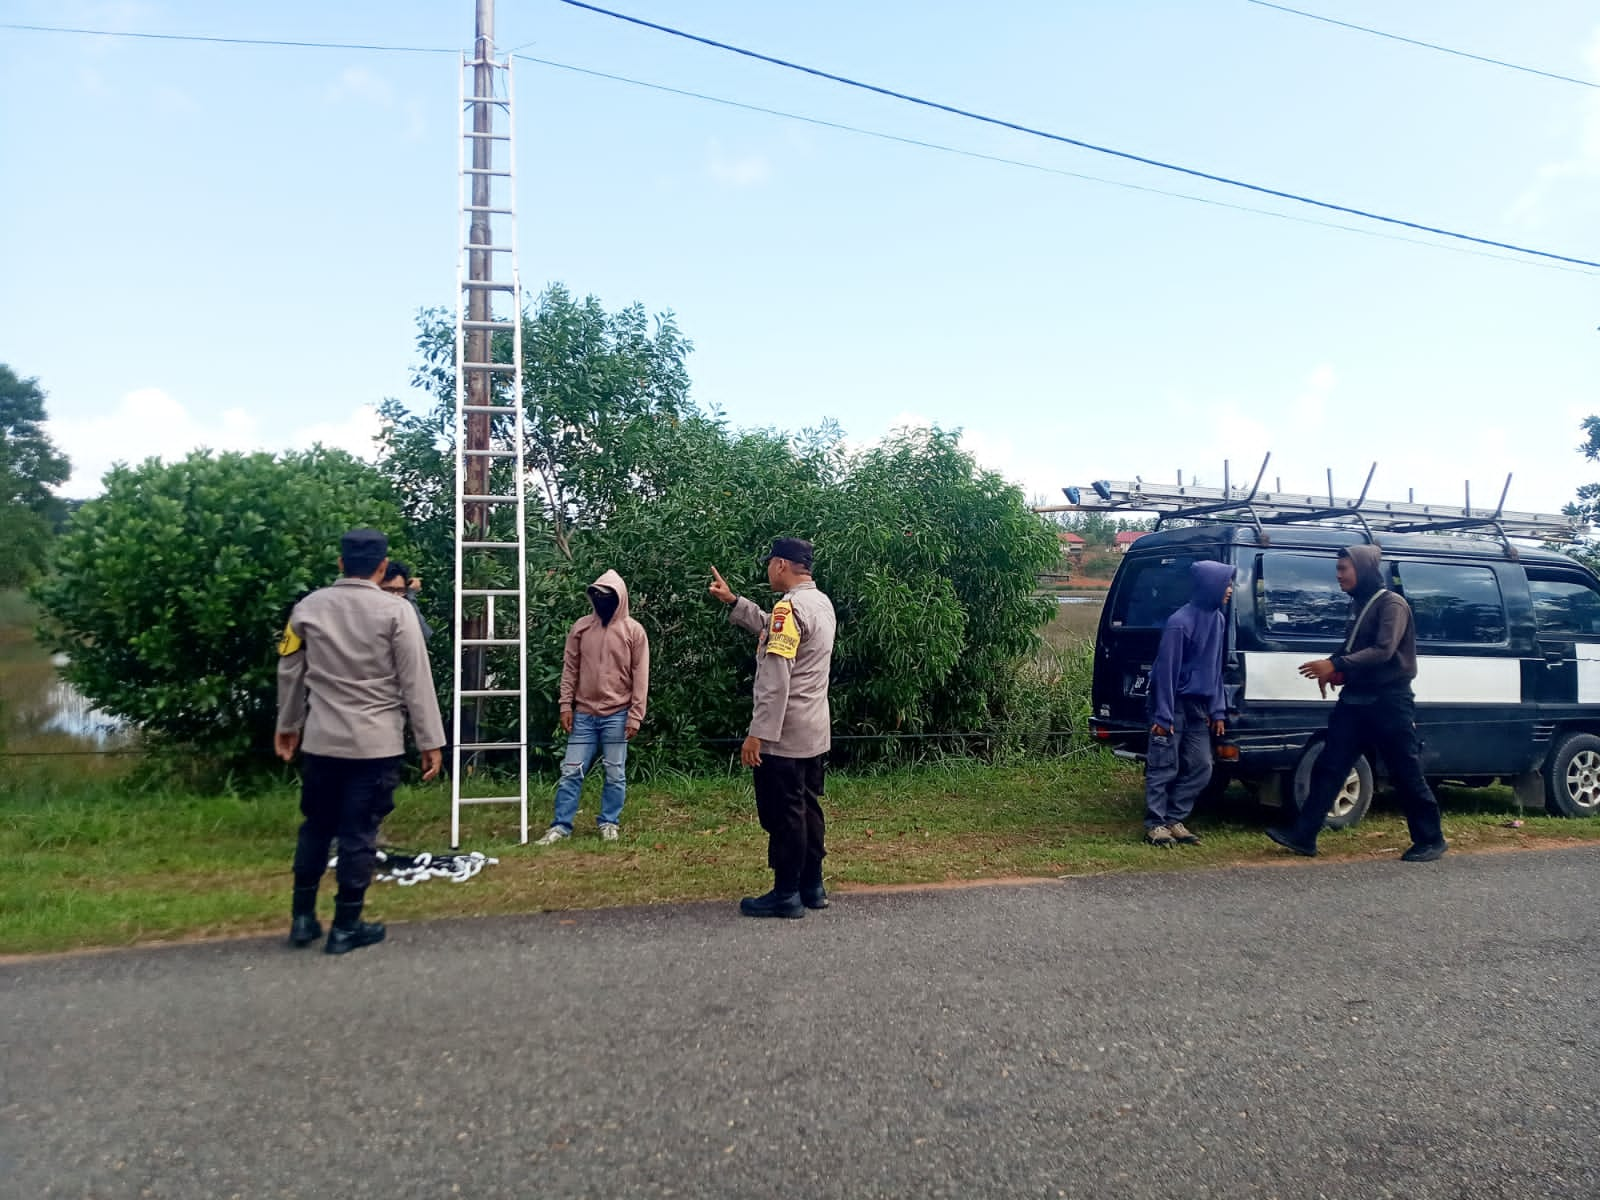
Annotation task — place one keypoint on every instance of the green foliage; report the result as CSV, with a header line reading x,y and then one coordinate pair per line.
x,y
30,467
170,590
930,562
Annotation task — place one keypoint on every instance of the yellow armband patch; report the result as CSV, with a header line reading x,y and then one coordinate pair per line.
x,y
783,634
289,643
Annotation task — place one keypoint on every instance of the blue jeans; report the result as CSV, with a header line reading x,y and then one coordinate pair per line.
x,y
592,735
1177,767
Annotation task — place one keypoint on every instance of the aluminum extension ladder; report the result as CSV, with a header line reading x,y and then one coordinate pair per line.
x,y
490,670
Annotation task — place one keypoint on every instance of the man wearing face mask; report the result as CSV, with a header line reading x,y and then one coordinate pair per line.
x,y
1376,709
605,682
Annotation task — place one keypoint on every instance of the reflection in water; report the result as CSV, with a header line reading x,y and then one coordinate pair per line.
x,y
42,710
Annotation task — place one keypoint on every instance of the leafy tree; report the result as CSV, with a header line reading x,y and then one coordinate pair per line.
x,y
30,466
170,590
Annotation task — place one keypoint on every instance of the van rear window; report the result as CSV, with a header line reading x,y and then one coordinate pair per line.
x,y
1297,595
1150,589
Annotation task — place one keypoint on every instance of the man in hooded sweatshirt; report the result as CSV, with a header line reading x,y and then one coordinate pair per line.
x,y
1186,706
1376,710
605,682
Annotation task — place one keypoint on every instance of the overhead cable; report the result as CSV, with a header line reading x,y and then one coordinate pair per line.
x,y
1395,37
1065,140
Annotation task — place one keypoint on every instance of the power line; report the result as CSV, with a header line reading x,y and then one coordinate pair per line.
x,y
1395,37
1033,166
230,41
1063,139
1554,265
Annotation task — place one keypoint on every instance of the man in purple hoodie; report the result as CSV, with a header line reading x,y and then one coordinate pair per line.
x,y
1186,706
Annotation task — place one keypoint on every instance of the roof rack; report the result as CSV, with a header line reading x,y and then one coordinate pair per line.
x,y
1260,509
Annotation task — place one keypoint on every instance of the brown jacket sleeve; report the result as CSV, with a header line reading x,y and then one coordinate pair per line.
x,y
1392,617
569,667
641,676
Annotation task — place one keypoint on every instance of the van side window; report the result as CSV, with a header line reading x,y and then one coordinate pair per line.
x,y
1565,608
1454,603
1298,596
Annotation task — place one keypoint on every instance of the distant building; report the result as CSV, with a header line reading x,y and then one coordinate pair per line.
x,y
1127,538
1071,543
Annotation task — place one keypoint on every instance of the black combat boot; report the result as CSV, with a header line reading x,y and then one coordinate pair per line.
x,y
305,928
773,904
349,931
812,893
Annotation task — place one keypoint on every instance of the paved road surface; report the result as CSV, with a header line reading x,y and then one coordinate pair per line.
x,y
1360,1030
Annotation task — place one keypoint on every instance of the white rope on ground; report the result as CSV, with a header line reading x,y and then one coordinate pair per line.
x,y
408,869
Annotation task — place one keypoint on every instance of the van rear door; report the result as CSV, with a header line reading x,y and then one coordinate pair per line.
x,y
1148,589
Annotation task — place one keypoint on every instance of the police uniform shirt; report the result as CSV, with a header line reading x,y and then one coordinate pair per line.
x,y
351,665
793,661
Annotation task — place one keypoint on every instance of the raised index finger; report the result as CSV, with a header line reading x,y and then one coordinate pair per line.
x,y
717,574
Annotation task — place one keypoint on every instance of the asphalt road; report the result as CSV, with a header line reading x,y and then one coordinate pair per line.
x,y
1363,1030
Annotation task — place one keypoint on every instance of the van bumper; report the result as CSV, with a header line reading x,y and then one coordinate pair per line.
x,y
1246,753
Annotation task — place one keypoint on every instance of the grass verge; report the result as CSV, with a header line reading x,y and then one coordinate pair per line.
x,y
100,863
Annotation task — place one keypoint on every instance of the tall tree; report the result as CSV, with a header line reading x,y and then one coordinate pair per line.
x,y
30,467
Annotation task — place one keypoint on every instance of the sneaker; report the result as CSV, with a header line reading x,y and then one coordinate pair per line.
x,y
1160,836
1182,835
553,835
608,831
1425,853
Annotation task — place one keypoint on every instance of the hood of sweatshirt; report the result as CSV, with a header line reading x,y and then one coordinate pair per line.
x,y
612,580
1369,572
1210,582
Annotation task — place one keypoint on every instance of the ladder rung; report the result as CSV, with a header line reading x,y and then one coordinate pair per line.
x,y
492,285
503,367
488,591
485,171
484,499
489,325
485,99
490,746
487,693
489,453
488,208
490,800
488,408
491,642
491,545
485,246
498,137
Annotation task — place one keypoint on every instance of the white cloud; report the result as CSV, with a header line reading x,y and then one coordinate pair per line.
x,y
358,83
149,423
739,171
1581,166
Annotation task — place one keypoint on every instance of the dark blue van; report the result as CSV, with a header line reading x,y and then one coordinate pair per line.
x,y
1508,675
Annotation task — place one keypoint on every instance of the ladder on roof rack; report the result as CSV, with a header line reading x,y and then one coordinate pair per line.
x,y
1230,503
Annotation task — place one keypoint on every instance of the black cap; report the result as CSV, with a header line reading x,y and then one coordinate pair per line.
x,y
796,550
363,547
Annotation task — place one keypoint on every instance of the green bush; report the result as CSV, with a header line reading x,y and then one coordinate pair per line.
x,y
170,590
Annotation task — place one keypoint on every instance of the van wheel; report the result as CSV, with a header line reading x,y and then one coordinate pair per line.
x,y
1354,798
1572,778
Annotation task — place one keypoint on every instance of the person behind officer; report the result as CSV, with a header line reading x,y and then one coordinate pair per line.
x,y
790,729
399,581
351,666
1376,709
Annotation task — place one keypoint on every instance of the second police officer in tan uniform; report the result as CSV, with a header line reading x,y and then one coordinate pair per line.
x,y
790,729
351,667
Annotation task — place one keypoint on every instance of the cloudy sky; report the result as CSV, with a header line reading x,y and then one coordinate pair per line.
x,y
227,245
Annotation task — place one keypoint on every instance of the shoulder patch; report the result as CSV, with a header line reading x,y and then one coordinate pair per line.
x,y
289,643
783,633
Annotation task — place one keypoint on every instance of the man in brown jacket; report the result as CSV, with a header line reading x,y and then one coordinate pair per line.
x,y
605,683
790,729
351,668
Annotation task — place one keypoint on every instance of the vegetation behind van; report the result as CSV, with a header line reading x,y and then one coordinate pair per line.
x,y
1508,668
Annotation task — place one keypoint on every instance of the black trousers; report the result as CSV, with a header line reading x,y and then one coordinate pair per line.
x,y
346,798
788,801
1387,727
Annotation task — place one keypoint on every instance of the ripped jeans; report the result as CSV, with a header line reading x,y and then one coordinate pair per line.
x,y
592,735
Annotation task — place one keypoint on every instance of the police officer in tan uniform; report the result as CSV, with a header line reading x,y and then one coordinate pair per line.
x,y
351,667
790,730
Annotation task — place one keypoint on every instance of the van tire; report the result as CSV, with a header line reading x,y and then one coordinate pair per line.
x,y
1572,777
1350,805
